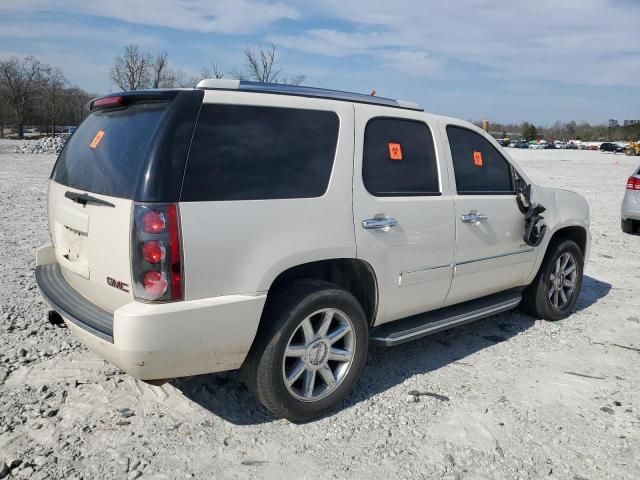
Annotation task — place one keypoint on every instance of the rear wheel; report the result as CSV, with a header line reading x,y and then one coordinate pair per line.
x,y
628,226
310,350
554,291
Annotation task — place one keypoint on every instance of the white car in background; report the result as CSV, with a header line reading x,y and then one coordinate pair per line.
x,y
630,211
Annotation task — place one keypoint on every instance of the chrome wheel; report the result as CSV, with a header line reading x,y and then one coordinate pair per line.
x,y
562,282
319,355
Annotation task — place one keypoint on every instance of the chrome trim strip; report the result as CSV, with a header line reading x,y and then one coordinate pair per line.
x,y
417,270
528,250
450,322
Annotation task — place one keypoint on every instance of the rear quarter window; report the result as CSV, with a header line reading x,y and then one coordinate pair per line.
x,y
242,152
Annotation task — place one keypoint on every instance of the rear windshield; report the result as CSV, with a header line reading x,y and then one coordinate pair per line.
x,y
107,153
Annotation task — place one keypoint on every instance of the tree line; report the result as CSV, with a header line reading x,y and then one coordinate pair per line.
x,y
613,130
135,69
35,93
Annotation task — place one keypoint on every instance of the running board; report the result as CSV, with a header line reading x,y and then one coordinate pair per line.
x,y
417,326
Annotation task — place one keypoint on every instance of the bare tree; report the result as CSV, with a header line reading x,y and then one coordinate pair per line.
x,y
295,80
131,70
20,79
75,104
162,75
54,84
3,110
260,62
212,71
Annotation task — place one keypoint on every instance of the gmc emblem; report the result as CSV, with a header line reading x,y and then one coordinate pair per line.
x,y
112,282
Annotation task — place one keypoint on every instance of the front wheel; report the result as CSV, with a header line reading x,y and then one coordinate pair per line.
x,y
310,350
554,292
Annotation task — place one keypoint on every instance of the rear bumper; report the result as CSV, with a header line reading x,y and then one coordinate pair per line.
x,y
630,206
158,341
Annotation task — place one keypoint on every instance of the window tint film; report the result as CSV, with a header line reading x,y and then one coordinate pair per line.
x,y
107,153
399,158
244,152
479,167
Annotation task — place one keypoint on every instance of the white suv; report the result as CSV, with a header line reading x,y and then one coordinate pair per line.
x,y
281,229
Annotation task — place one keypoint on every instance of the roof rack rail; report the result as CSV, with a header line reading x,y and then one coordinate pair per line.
x,y
300,91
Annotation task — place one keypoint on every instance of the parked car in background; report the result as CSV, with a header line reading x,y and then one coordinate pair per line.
x,y
279,229
611,147
630,211
560,144
550,146
522,144
571,146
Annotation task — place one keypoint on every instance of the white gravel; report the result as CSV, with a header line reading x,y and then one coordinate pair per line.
x,y
515,397
44,145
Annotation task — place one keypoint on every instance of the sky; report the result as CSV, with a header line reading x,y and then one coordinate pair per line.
x,y
503,60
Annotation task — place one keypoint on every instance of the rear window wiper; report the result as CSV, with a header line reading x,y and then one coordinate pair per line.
x,y
83,199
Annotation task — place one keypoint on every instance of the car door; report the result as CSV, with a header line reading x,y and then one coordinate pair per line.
x,y
403,211
490,253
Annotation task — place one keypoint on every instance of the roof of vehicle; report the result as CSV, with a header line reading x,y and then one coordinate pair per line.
x,y
301,91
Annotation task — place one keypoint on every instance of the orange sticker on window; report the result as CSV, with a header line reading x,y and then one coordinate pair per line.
x,y
96,140
477,158
395,151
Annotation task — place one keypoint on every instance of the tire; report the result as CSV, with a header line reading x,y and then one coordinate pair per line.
x,y
538,298
628,226
282,326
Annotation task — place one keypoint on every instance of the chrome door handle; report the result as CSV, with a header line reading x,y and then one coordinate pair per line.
x,y
379,223
474,217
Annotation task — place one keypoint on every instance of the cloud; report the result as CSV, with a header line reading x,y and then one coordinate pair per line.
x,y
584,42
75,31
410,62
220,16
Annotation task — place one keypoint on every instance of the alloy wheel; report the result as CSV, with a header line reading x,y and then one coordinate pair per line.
x,y
562,281
319,355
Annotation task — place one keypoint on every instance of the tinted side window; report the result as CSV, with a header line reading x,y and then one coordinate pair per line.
x,y
399,158
479,167
242,152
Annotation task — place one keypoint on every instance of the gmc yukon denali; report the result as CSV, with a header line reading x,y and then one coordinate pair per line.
x,y
279,230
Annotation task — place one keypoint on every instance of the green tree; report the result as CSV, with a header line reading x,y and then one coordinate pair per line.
x,y
529,131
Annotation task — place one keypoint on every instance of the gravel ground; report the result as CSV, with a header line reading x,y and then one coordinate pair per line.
x,y
508,397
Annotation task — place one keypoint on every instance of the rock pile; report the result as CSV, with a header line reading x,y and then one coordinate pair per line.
x,y
42,145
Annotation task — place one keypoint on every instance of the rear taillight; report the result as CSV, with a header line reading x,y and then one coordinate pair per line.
x,y
156,258
633,183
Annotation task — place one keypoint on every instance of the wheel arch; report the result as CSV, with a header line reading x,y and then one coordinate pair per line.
x,y
577,233
354,275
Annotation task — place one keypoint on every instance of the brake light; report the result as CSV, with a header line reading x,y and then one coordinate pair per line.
x,y
153,222
156,252
154,283
153,251
633,183
107,102
175,247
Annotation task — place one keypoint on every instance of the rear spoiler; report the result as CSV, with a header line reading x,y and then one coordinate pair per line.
x,y
123,99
